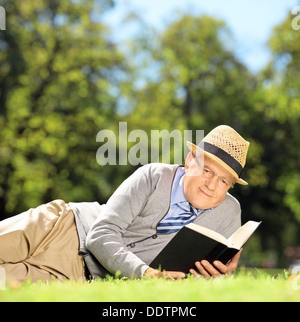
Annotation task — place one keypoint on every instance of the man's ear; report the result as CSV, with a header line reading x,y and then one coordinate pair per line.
x,y
188,160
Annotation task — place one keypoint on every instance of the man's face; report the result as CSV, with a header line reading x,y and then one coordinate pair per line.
x,y
203,192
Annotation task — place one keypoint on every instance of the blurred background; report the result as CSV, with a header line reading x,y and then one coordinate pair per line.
x,y
69,69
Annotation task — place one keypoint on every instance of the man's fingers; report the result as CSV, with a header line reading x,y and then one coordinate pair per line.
x,y
212,271
208,270
202,270
236,257
169,275
233,264
221,267
173,275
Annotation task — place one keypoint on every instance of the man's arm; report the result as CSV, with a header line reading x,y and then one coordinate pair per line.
x,y
104,239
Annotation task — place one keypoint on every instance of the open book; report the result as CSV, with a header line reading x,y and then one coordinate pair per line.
x,y
195,243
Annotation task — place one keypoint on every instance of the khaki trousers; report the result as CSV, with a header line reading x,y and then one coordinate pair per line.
x,y
41,244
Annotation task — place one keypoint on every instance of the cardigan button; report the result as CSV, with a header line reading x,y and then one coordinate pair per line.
x,y
154,236
132,245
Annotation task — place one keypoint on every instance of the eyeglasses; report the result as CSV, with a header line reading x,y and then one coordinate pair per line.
x,y
223,183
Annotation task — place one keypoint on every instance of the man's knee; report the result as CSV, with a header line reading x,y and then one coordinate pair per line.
x,y
23,271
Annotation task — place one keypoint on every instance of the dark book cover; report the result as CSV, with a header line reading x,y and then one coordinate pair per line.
x,y
189,246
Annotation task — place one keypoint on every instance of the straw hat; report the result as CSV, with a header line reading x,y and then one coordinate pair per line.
x,y
225,146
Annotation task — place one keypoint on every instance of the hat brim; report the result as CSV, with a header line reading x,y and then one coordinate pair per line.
x,y
194,147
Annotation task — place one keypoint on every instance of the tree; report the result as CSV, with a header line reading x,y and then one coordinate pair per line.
x,y
58,76
277,106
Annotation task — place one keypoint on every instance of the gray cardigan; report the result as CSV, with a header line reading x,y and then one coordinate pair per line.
x,y
121,234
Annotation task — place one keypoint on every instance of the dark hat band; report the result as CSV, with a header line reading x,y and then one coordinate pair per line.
x,y
224,156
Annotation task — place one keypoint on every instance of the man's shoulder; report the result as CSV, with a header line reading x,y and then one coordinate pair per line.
x,y
148,177
230,199
155,166
159,169
230,205
228,213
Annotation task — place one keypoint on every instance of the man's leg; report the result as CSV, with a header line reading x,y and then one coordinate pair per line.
x,y
23,271
41,244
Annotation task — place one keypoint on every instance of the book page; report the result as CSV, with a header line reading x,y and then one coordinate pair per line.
x,y
209,233
239,238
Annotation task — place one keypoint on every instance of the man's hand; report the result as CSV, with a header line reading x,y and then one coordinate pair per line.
x,y
154,273
217,269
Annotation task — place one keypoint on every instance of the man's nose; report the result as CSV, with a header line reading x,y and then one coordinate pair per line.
x,y
212,183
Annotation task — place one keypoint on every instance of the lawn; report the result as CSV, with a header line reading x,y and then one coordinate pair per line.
x,y
246,285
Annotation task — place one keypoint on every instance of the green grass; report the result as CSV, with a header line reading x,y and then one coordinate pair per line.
x,y
246,285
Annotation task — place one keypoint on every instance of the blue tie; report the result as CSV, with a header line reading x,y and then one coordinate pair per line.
x,y
175,222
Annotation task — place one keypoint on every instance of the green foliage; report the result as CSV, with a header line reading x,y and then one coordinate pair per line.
x,y
284,88
56,94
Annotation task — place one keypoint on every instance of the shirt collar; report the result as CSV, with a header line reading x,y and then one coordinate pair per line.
x,y
178,195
